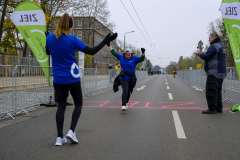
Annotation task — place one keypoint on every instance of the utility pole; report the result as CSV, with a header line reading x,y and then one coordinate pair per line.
x,y
125,38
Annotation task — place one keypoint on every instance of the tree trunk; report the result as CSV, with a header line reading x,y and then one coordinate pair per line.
x,y
2,19
15,48
25,49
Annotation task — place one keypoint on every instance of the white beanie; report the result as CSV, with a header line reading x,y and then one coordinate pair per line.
x,y
128,50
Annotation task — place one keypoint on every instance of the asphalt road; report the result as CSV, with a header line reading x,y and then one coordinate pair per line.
x,y
164,122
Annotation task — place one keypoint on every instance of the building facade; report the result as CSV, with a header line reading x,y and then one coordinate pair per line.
x,y
91,32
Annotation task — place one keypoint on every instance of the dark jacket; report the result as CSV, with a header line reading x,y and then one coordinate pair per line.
x,y
215,59
132,82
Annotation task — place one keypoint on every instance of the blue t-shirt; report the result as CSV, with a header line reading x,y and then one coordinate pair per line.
x,y
128,65
64,62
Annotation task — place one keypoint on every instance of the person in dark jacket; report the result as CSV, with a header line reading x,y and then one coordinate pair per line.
x,y
127,78
215,67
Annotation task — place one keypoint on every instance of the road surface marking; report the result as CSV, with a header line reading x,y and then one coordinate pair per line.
x,y
170,96
178,125
147,104
197,89
141,88
168,87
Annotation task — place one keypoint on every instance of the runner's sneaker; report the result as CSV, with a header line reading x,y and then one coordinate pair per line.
x,y
69,104
72,137
123,108
60,141
126,105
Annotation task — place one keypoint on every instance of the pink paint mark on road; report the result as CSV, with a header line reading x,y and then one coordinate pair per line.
x,y
132,103
136,102
163,107
174,105
103,104
178,102
147,104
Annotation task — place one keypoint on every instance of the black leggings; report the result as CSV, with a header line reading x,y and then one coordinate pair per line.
x,y
126,91
76,92
55,96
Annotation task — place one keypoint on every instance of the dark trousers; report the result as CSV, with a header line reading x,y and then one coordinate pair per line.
x,y
214,92
61,92
126,91
55,95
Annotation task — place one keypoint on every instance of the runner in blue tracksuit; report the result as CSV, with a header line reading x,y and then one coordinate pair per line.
x,y
127,78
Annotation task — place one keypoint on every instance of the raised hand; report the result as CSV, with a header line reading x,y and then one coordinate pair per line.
x,y
110,37
143,50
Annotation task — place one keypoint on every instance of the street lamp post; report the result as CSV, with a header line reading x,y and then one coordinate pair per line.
x,y
125,38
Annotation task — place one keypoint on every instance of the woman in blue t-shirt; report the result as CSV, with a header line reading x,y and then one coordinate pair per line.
x,y
127,78
61,46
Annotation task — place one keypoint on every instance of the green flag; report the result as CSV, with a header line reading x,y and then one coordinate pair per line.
x,y
231,16
29,19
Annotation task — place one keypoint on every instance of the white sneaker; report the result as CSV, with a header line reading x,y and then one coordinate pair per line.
x,y
123,108
126,105
60,141
71,137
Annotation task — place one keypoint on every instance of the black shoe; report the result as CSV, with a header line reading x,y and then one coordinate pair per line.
x,y
209,111
219,111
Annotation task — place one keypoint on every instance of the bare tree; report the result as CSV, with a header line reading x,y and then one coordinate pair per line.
x,y
93,14
218,27
6,8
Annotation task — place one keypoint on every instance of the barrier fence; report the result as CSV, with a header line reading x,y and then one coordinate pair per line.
x,y
24,88
17,60
231,85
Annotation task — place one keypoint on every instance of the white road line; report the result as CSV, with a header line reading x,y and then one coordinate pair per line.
x,y
178,125
168,87
170,96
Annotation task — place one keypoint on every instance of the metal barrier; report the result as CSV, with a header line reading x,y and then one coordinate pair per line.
x,y
24,88
97,79
141,74
6,90
17,60
231,85
31,86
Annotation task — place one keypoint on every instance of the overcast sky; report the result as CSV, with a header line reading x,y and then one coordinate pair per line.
x,y
175,27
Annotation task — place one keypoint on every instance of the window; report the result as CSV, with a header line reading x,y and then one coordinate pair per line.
x,y
79,34
79,23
